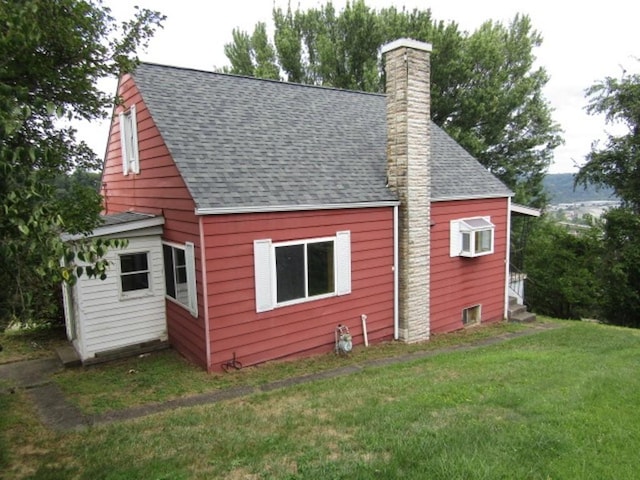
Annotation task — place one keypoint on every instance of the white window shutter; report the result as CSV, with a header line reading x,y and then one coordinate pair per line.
x,y
263,275
135,156
455,239
190,260
343,262
123,143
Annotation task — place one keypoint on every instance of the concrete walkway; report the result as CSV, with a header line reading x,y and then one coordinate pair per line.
x,y
34,376
57,413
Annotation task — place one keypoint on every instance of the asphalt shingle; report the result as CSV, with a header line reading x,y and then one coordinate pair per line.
x,y
241,142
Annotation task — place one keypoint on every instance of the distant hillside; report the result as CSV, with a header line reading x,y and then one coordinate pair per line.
x,y
559,186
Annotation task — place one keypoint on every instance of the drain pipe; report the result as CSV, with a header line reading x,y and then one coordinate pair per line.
x,y
507,261
365,335
395,274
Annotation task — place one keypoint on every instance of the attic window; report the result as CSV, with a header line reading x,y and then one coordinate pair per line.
x,y
129,141
472,237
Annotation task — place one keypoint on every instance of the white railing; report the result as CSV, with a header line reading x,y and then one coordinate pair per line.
x,y
516,285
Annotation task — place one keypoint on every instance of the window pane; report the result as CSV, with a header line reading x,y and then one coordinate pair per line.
x,y
135,281
290,272
175,274
483,241
466,242
180,265
169,278
128,136
320,268
134,273
135,262
471,316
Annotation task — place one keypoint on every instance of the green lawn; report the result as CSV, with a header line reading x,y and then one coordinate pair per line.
x,y
17,346
166,375
560,404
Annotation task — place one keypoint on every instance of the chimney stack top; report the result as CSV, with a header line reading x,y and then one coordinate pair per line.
x,y
408,43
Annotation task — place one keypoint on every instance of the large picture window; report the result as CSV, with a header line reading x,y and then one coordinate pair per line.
x,y
303,270
472,237
179,275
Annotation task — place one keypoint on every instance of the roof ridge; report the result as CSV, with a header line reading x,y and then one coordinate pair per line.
x,y
258,79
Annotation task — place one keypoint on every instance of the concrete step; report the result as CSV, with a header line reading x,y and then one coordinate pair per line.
x,y
516,309
523,317
68,356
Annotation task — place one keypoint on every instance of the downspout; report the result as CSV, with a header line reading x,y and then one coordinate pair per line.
x,y
396,272
507,261
205,293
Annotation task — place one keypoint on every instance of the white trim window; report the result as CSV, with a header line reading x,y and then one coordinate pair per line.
x,y
134,273
472,315
129,141
288,273
472,237
180,275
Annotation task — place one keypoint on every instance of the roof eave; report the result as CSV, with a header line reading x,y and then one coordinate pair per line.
x,y
525,210
117,229
292,208
472,197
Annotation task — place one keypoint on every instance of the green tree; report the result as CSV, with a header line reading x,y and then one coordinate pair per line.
x,y
563,270
254,55
52,53
617,165
486,92
77,196
620,273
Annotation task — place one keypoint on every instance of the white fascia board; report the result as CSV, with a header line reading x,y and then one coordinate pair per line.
x,y
291,208
118,228
524,210
470,197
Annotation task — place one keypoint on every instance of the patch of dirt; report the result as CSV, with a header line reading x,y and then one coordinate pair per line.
x,y
241,474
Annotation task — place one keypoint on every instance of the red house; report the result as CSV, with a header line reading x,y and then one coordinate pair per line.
x,y
292,209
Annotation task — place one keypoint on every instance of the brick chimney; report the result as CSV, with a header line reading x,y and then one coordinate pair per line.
x,y
407,67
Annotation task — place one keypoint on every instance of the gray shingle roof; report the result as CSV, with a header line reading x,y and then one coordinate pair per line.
x,y
118,223
455,174
244,142
123,217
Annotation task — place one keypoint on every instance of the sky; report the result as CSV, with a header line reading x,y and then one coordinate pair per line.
x,y
582,45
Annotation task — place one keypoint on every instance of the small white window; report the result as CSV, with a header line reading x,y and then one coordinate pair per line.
x,y
134,273
472,315
180,275
129,141
471,237
293,272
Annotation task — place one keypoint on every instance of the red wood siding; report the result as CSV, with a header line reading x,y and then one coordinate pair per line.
x,y
457,282
308,327
157,189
